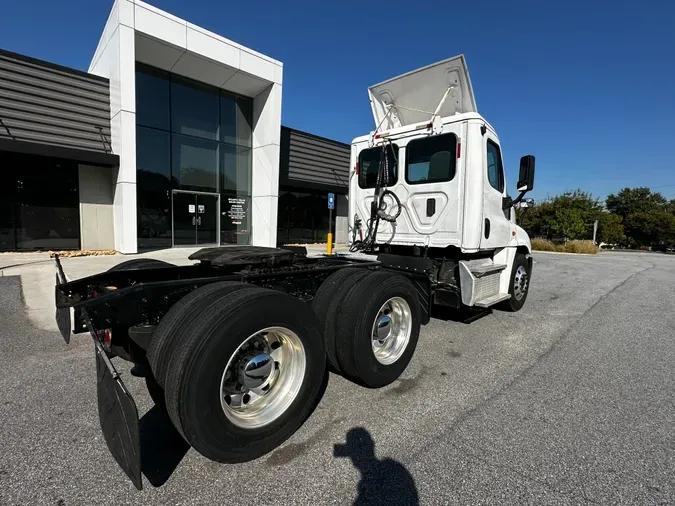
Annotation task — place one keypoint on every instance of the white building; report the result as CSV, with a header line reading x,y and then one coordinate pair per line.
x,y
139,33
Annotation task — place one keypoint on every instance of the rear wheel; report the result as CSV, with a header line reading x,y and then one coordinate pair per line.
x,y
247,374
175,323
327,301
379,325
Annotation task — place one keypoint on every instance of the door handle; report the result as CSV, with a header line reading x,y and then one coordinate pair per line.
x,y
194,220
431,207
199,220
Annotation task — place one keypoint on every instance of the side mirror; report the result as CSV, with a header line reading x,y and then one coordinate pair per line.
x,y
526,175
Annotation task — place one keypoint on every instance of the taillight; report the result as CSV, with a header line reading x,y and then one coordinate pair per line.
x,y
459,149
356,168
107,338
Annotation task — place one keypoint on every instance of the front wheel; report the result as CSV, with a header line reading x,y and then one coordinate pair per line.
x,y
519,285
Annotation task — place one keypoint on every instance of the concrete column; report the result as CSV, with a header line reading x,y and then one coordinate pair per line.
x,y
96,208
265,173
115,59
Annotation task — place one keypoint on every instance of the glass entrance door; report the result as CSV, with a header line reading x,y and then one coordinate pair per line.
x,y
195,218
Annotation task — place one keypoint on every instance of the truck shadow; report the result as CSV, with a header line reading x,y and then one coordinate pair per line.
x,y
162,447
383,481
464,315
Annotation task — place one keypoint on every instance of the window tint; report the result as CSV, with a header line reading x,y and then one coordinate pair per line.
x,y
194,109
369,165
432,159
195,163
152,98
494,167
235,169
236,114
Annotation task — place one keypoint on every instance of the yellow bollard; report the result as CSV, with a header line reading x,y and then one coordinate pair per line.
x,y
329,244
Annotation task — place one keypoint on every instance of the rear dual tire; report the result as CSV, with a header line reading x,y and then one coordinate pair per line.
x,y
371,322
225,413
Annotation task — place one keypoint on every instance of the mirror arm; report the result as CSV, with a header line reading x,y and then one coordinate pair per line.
x,y
518,198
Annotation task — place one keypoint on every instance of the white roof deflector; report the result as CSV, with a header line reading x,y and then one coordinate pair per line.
x,y
415,96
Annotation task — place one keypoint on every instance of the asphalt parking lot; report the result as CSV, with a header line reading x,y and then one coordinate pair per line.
x,y
569,401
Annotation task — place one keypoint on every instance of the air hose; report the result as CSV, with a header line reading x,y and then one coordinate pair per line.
x,y
379,206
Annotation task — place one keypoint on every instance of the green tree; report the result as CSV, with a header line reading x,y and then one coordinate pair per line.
x,y
648,217
634,200
610,228
571,215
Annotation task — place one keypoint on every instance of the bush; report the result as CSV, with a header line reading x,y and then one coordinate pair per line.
x,y
544,245
587,247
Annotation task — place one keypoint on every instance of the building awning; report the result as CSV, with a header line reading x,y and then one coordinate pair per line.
x,y
78,155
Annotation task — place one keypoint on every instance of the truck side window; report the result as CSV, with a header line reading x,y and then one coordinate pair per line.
x,y
369,165
494,167
431,159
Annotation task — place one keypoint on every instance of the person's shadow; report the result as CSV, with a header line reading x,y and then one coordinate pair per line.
x,y
385,481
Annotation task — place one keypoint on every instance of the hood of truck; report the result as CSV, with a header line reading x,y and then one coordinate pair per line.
x,y
413,97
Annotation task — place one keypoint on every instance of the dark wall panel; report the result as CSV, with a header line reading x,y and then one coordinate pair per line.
x,y
48,104
310,160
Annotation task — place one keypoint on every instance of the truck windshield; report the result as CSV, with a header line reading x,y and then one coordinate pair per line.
x,y
369,164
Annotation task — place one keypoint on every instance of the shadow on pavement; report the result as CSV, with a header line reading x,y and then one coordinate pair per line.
x,y
162,447
385,481
463,315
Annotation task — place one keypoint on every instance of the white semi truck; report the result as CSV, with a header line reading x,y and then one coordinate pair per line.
x,y
237,346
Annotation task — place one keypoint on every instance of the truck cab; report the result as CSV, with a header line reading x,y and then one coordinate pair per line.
x,y
429,180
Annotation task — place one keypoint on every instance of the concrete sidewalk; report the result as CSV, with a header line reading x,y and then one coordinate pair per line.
x,y
37,273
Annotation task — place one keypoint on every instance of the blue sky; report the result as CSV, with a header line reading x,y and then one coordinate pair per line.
x,y
588,87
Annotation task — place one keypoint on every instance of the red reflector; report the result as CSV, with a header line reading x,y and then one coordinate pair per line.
x,y
429,125
107,337
378,136
459,149
356,168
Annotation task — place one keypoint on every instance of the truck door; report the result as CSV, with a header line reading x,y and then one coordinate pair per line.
x,y
496,226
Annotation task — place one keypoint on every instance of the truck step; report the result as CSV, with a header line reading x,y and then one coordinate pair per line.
x,y
492,300
485,269
483,266
479,280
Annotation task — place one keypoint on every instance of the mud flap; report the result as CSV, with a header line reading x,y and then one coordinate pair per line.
x,y
119,418
63,321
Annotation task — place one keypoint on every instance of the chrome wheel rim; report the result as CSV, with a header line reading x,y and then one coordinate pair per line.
x,y
520,282
263,377
391,330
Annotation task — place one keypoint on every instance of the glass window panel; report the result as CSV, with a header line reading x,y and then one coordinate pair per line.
x,y
235,169
194,109
302,217
153,156
494,167
236,116
442,148
47,211
153,188
195,163
369,165
7,195
152,98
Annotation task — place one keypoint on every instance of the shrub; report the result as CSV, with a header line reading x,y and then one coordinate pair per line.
x,y
544,245
587,247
